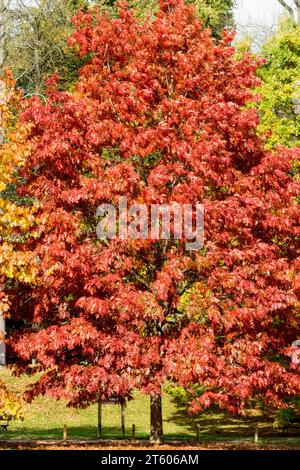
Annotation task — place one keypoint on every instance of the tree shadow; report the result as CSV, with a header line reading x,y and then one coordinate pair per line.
x,y
215,423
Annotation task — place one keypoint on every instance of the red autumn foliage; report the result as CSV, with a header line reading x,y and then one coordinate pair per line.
x,y
158,116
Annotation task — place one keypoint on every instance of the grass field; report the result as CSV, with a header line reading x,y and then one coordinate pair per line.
x,y
45,419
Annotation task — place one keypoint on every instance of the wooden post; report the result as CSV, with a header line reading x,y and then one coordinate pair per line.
x,y
198,432
123,420
133,433
99,420
65,435
256,435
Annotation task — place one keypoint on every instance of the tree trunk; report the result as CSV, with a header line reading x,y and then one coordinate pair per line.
x,y
298,11
4,4
37,58
287,7
156,424
37,75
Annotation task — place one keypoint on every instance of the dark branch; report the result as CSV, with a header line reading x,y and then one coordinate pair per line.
x,y
287,7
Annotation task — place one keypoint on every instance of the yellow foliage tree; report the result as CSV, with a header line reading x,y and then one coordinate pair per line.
x,y
16,221
10,404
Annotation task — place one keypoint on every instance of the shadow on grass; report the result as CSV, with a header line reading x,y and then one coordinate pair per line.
x,y
218,425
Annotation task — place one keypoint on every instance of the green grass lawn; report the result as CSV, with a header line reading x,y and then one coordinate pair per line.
x,y
46,417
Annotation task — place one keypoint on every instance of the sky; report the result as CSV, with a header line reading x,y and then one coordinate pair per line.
x,y
258,17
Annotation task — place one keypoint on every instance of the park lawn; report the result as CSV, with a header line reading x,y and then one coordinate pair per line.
x,y
46,417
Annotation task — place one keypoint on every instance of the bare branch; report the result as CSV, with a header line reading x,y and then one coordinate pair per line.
x,y
287,7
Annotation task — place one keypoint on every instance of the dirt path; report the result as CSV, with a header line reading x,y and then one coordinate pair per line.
x,y
122,445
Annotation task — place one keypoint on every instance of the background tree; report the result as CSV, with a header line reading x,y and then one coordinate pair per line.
x,y
293,11
10,403
279,108
216,14
153,119
34,35
4,16
37,46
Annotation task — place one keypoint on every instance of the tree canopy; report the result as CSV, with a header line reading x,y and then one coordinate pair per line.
x,y
159,116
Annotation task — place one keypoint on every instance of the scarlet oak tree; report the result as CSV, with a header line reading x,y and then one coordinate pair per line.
x,y
158,116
